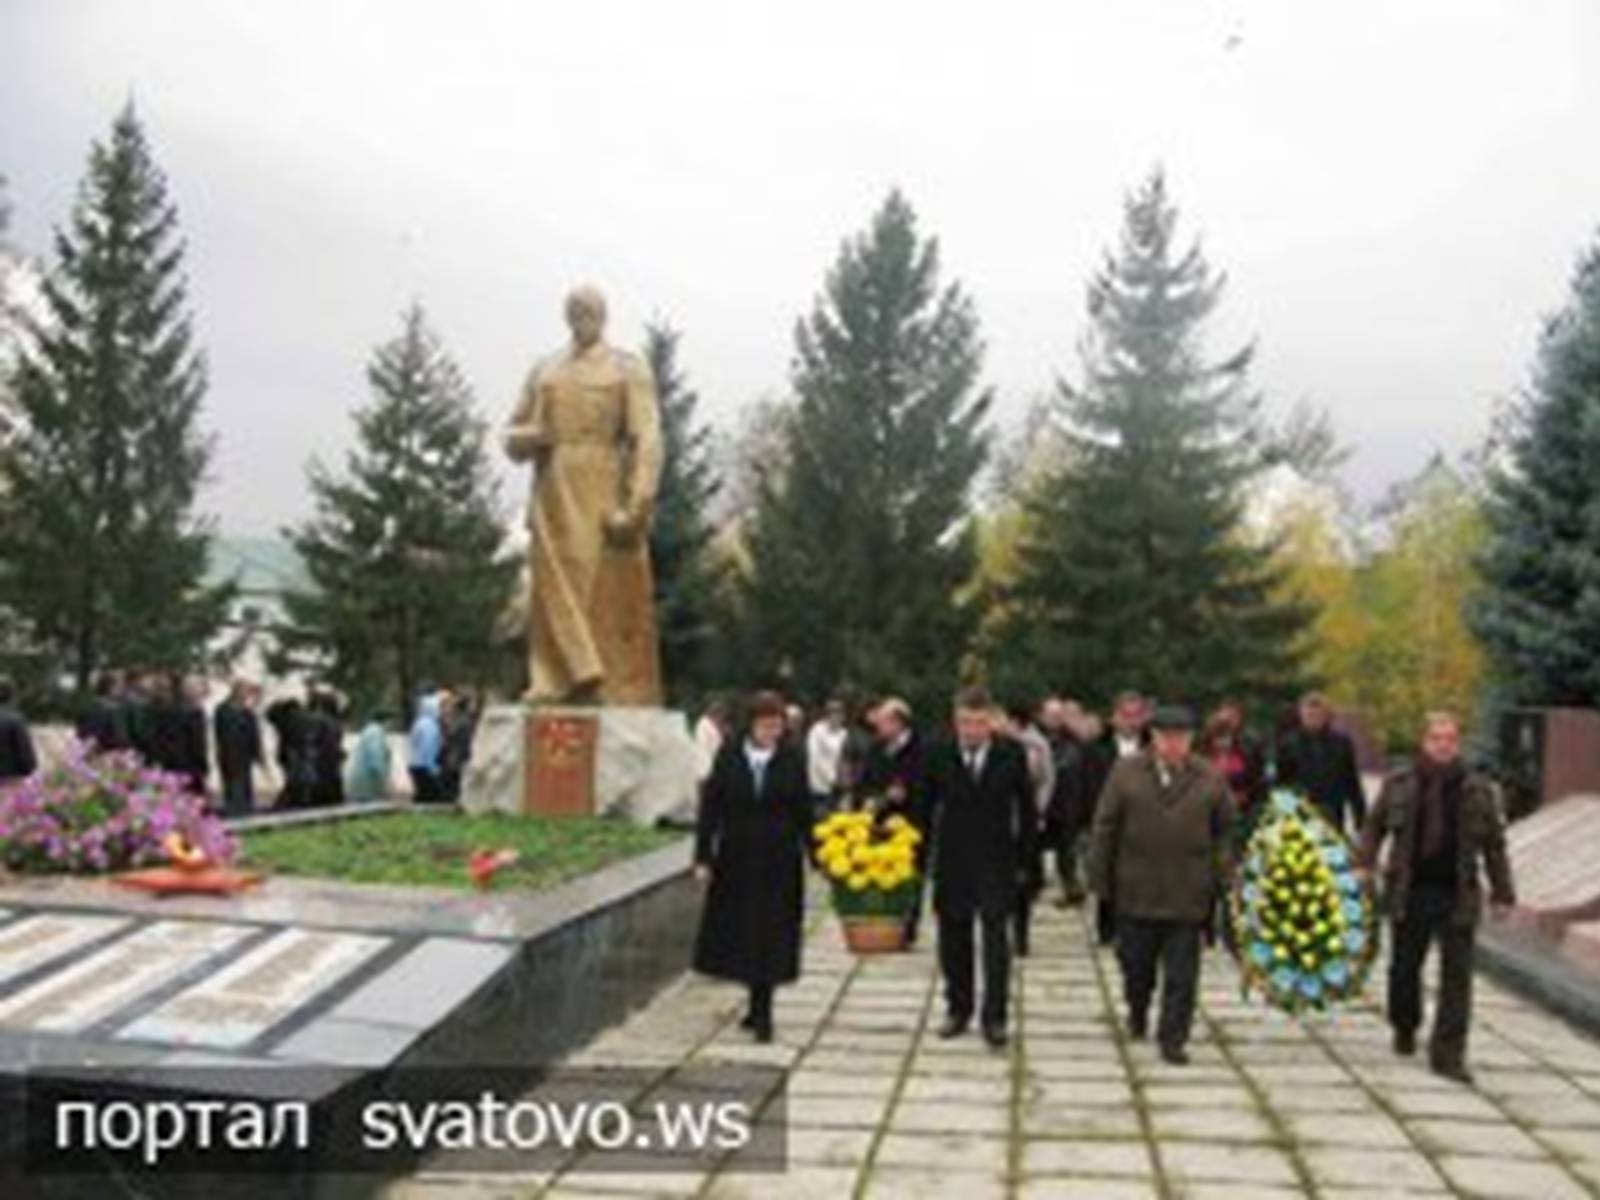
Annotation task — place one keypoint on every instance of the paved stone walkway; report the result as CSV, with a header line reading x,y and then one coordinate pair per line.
x,y
879,1106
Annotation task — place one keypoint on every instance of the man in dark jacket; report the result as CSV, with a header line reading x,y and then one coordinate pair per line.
x,y
1315,758
325,731
103,723
984,825
1066,814
196,738
1161,844
752,838
1443,820
1127,737
291,725
460,728
17,759
238,734
893,774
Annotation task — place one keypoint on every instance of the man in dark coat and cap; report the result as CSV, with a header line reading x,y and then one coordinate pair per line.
x,y
1162,844
751,843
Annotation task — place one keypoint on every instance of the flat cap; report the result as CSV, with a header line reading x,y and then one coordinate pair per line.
x,y
1173,717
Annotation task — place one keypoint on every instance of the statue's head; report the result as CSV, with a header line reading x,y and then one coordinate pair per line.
x,y
586,315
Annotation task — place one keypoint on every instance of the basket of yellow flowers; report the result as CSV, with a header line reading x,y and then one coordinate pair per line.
x,y
871,862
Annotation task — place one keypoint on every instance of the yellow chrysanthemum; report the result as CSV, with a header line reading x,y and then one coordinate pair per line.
x,y
856,882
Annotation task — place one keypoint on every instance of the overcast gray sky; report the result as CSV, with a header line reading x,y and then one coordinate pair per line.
x,y
1397,188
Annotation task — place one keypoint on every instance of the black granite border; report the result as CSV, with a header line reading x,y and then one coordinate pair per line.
x,y
576,959
1535,969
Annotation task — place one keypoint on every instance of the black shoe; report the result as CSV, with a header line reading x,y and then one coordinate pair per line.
x,y
1453,1068
1022,949
1177,1056
954,1026
995,1035
762,1031
1138,1028
1405,1042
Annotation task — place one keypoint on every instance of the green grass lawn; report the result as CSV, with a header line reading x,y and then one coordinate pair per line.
x,y
432,848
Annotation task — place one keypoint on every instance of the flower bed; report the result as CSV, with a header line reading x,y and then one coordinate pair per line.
x,y
91,814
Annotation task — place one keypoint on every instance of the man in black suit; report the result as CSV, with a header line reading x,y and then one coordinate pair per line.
x,y
238,736
981,814
103,723
1315,758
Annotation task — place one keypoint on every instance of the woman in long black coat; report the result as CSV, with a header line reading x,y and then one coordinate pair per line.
x,y
751,846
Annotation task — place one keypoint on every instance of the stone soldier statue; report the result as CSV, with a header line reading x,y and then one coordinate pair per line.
x,y
587,420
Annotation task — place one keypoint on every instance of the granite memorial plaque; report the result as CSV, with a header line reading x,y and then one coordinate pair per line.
x,y
92,989
34,941
261,988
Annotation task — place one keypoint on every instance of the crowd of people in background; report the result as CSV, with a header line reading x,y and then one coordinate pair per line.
x,y
163,718
1145,812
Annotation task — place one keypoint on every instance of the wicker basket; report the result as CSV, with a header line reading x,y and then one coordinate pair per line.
x,y
874,935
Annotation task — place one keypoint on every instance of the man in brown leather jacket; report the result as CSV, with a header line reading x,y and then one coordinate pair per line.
x,y
1442,819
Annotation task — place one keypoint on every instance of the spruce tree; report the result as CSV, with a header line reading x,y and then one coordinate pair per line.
x,y
406,547
861,543
102,555
1539,615
687,578
1134,569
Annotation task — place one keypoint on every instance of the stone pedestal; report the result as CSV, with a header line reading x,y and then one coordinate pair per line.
x,y
639,763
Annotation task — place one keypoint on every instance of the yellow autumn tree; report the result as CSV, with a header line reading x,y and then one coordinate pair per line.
x,y
1390,640
1419,654
1319,569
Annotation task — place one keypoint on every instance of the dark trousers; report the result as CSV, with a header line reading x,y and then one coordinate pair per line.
x,y
1066,844
761,1005
914,912
1142,945
956,963
1021,924
450,785
425,786
1430,916
1105,922
238,794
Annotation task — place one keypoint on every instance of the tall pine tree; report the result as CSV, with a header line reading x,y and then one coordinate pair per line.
x,y
859,550
1539,616
1134,569
407,547
688,579
102,555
